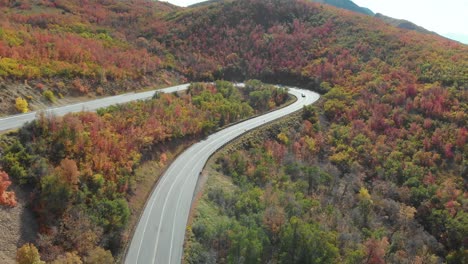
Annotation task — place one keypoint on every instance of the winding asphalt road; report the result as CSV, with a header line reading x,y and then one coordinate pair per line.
x,y
159,236
16,121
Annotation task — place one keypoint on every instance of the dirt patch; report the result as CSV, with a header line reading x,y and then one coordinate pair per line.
x,y
17,226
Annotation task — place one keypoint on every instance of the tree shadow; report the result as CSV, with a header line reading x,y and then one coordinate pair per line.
x,y
28,226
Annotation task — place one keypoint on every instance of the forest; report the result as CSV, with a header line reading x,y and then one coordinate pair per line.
x,y
311,192
78,39
80,167
376,170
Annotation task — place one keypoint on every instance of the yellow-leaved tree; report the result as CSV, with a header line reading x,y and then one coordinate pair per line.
x,y
28,254
21,105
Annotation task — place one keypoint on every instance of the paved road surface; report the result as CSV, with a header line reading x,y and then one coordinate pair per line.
x,y
159,236
17,121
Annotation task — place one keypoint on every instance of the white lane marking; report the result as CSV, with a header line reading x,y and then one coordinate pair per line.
x,y
165,202
157,192
175,216
239,131
254,123
236,129
102,102
171,168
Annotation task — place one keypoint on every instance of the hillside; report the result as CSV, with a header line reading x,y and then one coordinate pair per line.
x,y
79,48
305,43
377,170
55,51
392,127
399,23
87,175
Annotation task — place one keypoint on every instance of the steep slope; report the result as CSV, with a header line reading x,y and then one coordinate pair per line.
x,y
204,3
393,120
303,41
79,48
79,171
92,48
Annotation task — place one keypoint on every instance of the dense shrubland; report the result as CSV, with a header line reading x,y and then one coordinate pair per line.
x,y
317,192
81,166
377,171
307,43
379,166
65,48
99,40
95,42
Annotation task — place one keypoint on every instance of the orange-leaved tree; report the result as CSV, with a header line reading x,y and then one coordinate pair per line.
x,y
6,198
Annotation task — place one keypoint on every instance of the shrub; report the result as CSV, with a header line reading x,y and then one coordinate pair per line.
x,y
40,86
7,198
28,253
50,96
21,105
80,87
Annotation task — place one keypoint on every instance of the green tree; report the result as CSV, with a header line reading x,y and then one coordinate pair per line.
x,y
112,215
457,230
54,198
98,255
247,244
15,161
303,242
49,95
249,202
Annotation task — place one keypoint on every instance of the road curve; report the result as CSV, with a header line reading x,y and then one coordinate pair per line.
x,y
16,121
160,233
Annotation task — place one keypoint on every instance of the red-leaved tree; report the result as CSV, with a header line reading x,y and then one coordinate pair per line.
x,y
6,198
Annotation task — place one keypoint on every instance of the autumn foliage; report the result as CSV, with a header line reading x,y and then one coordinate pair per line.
x,y
391,123
69,39
28,254
21,105
376,170
82,165
306,43
76,48
7,198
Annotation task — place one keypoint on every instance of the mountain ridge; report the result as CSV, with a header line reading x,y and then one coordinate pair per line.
x,y
348,5
400,23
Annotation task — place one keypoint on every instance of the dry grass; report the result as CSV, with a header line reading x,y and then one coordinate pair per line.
x,y
17,226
